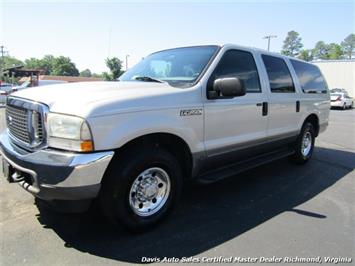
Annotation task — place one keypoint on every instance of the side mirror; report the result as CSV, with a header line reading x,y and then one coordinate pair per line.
x,y
228,87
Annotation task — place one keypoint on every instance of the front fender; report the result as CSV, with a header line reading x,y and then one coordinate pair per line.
x,y
112,132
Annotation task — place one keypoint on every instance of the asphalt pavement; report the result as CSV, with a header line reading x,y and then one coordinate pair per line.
x,y
274,211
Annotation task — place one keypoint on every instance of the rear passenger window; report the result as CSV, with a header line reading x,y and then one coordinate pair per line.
x,y
240,64
279,75
310,77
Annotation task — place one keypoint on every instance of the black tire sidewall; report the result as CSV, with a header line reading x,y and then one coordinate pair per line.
x,y
298,156
121,177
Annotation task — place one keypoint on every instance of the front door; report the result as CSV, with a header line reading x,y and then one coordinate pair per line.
x,y
232,124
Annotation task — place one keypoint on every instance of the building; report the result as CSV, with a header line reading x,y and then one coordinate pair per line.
x,y
67,78
339,74
48,80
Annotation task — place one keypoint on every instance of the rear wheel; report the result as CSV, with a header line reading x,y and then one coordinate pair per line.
x,y
344,106
304,145
141,188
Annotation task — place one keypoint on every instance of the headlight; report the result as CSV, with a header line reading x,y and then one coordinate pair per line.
x,y
69,133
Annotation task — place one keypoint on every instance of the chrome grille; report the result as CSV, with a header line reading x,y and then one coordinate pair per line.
x,y
25,123
17,123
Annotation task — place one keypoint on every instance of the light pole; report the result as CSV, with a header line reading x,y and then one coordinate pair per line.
x,y
127,61
268,37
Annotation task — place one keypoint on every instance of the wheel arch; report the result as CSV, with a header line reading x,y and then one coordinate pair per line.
x,y
172,143
314,120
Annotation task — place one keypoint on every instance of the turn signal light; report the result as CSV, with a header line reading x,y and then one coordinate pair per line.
x,y
86,145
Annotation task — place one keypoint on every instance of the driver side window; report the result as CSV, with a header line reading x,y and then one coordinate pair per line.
x,y
240,64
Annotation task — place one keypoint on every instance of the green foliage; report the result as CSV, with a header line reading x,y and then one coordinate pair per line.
x,y
348,45
58,66
115,66
107,76
85,73
62,66
96,75
335,51
325,51
320,50
305,55
10,61
292,44
45,64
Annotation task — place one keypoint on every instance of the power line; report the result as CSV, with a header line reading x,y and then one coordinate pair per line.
x,y
268,37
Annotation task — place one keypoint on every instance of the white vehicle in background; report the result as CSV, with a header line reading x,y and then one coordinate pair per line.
x,y
24,85
5,89
341,100
3,95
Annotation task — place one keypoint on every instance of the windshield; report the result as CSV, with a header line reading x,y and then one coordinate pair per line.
x,y
179,67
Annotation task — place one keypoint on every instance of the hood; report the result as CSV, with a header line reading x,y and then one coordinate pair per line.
x,y
102,98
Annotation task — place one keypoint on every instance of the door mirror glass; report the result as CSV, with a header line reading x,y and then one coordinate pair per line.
x,y
228,87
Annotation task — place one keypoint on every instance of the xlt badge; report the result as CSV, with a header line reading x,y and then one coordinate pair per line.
x,y
189,112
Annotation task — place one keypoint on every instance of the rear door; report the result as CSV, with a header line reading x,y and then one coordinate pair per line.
x,y
284,102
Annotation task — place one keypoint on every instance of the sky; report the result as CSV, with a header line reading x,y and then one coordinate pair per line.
x,y
90,31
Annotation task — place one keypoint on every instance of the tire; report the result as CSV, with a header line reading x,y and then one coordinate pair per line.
x,y
304,148
134,180
344,106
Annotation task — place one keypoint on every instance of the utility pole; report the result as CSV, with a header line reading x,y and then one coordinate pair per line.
x,y
268,37
127,55
2,52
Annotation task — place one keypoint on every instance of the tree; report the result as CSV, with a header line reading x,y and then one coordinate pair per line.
x,y
320,50
292,44
348,45
306,55
33,63
10,61
62,66
85,73
115,66
107,76
45,64
335,51
96,75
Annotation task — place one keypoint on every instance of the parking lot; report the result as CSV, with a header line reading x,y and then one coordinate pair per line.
x,y
278,209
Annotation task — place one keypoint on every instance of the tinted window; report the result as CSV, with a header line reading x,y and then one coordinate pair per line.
x,y
180,67
279,74
310,77
238,64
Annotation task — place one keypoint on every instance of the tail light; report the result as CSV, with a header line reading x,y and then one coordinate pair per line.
x,y
4,93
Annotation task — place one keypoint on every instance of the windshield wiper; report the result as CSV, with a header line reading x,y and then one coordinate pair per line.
x,y
149,79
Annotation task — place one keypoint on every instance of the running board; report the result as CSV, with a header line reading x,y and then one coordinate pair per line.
x,y
241,166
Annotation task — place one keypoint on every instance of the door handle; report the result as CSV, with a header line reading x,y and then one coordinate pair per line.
x,y
298,106
265,108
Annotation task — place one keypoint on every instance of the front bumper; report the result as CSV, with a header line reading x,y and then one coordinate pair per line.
x,y
57,175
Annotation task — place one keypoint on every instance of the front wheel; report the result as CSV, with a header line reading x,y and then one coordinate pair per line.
x,y
304,145
140,188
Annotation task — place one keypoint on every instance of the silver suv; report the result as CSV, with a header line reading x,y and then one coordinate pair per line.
x,y
195,113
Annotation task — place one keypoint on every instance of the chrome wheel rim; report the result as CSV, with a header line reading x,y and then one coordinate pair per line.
x,y
306,143
149,191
